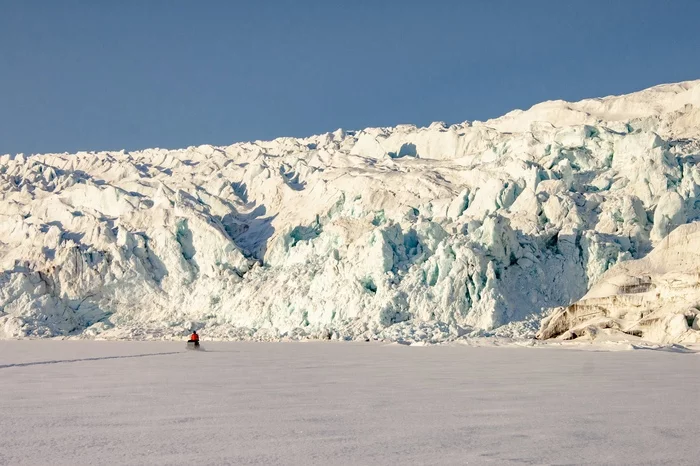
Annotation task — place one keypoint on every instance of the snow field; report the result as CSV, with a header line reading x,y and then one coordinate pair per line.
x,y
343,403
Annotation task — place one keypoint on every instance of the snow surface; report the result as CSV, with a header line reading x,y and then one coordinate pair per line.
x,y
417,234
87,402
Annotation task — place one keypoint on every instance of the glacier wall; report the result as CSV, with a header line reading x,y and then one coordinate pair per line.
x,y
656,298
404,232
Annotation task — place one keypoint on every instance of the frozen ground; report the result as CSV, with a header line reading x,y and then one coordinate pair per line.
x,y
88,402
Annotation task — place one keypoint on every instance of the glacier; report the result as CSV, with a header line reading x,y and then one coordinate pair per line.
x,y
404,233
656,298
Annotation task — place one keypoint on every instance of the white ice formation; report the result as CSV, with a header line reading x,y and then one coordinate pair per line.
x,y
656,298
402,233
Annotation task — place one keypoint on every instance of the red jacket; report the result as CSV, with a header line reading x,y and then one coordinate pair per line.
x,y
194,337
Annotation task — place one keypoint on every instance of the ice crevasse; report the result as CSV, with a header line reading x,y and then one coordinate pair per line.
x,y
478,228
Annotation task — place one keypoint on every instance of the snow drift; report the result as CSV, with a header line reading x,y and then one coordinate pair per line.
x,y
405,232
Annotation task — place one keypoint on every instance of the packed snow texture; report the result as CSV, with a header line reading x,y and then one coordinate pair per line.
x,y
104,402
403,233
656,298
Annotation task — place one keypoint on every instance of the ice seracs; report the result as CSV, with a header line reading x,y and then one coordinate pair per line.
x,y
656,298
405,232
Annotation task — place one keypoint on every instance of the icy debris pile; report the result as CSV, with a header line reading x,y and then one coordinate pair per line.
x,y
656,298
468,229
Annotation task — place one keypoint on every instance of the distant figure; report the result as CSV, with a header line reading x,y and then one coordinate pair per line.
x,y
194,338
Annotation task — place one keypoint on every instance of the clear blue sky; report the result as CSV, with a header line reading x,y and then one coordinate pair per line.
x,y
106,75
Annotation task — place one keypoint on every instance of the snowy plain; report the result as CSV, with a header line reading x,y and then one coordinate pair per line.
x,y
98,402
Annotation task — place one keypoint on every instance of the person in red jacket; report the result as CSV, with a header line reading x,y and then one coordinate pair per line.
x,y
194,338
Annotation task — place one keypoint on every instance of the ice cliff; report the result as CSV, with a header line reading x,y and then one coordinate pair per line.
x,y
405,232
656,298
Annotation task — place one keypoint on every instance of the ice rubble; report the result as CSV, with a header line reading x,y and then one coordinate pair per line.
x,y
401,233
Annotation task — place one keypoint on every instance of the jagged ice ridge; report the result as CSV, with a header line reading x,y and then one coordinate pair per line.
x,y
408,233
